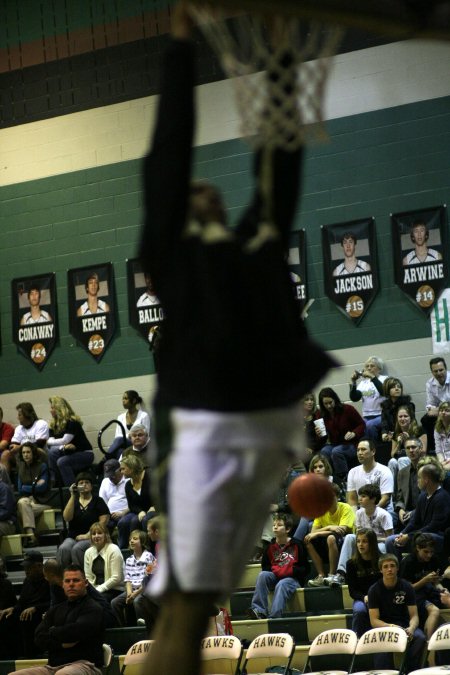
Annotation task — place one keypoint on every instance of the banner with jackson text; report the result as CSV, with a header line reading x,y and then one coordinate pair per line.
x,y
34,317
420,254
297,268
92,307
350,266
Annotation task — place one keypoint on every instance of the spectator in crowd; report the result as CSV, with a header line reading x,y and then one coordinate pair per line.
x,y
392,602
82,510
432,513
112,491
134,414
405,426
437,391
324,541
442,435
72,631
132,605
153,535
320,465
345,427
103,562
18,622
33,485
421,569
69,450
284,569
408,490
6,433
7,599
54,573
367,386
310,411
362,572
8,514
369,516
139,499
394,397
140,442
370,471
30,428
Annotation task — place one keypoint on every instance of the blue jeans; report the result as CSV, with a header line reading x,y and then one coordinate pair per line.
x,y
340,456
283,589
373,427
303,528
69,465
414,660
360,619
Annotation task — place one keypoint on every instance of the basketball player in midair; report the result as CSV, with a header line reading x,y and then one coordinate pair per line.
x,y
234,362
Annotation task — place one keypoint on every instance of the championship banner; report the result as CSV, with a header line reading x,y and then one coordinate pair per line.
x,y
144,308
34,317
420,254
297,267
350,266
92,307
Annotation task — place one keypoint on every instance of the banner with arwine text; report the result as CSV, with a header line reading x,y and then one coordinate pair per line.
x,y
92,307
350,266
34,317
420,254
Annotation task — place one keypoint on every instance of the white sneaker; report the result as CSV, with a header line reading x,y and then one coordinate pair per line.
x,y
328,581
318,581
337,580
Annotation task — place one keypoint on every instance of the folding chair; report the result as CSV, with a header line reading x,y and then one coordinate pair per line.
x,y
221,655
268,648
136,654
389,639
336,642
439,641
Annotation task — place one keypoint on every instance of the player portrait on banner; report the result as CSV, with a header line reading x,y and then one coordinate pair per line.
x,y
297,267
350,270
144,307
34,316
420,254
92,307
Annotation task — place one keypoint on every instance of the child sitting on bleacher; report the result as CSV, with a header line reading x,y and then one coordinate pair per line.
x,y
138,565
325,540
284,569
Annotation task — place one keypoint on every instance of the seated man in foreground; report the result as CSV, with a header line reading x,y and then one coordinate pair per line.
x,y
71,631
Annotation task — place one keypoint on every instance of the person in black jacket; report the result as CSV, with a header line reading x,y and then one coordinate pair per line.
x,y
284,569
361,572
18,622
71,631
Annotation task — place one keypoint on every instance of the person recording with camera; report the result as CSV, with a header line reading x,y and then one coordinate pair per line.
x,y
81,511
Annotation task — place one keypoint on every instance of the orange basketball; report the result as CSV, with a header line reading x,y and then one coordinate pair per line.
x,y
310,495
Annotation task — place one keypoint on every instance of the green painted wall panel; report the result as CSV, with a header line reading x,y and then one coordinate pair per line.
x,y
376,163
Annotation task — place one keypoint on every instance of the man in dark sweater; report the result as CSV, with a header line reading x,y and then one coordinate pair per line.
x,y
284,569
432,513
71,631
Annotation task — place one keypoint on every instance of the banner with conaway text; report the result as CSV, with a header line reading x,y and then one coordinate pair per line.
x,y
34,317
297,268
420,254
92,307
350,266
144,308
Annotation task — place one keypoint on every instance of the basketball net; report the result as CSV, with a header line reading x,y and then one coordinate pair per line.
x,y
279,68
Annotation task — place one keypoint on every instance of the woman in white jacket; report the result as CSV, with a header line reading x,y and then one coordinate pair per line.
x,y
103,563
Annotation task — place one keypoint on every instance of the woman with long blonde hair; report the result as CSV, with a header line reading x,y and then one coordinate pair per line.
x,y
69,450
